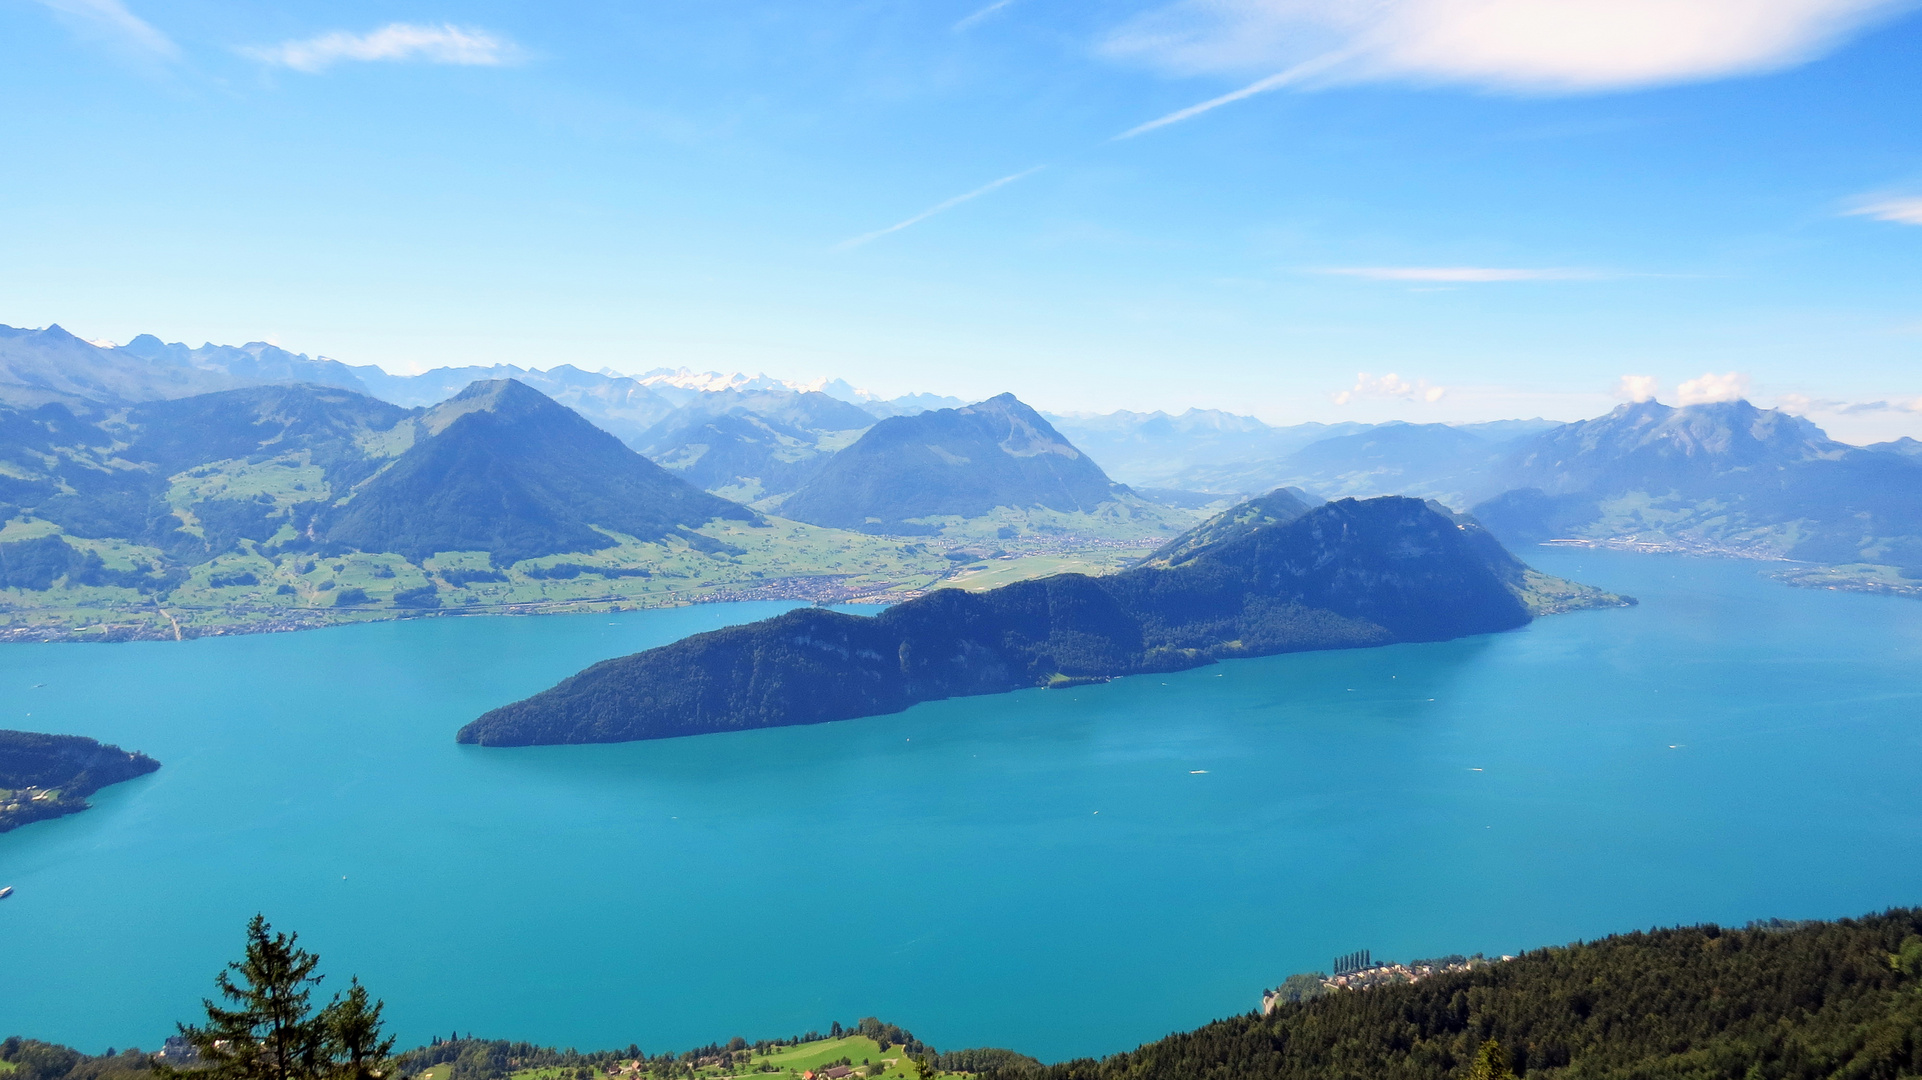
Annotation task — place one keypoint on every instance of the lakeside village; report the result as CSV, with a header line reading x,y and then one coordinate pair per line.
x,y
1359,971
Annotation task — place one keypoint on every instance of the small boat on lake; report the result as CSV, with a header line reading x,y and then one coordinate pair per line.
x,y
5,891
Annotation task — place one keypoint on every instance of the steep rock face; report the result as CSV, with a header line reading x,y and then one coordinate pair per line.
x,y
502,468
1342,575
962,462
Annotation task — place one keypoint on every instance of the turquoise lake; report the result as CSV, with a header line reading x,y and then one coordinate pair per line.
x,y
1061,872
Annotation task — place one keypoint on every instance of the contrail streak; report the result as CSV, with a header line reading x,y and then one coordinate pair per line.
x,y
1304,70
935,209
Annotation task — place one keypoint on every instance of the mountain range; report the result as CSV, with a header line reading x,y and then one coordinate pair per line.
x,y
1342,575
130,467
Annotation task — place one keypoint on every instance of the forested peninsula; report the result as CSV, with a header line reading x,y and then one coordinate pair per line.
x,y
1342,575
47,776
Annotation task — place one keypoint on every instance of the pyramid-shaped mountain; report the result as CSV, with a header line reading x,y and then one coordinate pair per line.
x,y
501,467
963,462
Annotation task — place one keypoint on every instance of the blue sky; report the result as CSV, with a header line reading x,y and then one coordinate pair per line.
x,y
1505,205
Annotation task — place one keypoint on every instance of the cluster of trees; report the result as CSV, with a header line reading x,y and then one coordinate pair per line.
x,y
1807,1002
35,1060
43,560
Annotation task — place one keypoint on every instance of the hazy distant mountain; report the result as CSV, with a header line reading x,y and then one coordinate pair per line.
x,y
907,404
1342,575
751,444
963,462
1905,446
614,403
1161,450
502,468
1452,463
253,363
1726,474
41,366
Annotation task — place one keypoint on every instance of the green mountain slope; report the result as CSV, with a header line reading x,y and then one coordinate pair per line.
x,y
951,462
503,469
1342,575
193,477
1278,507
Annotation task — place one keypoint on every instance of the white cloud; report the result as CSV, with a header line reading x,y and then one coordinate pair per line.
x,y
110,20
937,208
1460,274
1728,386
443,44
1905,209
1637,387
1529,46
1390,385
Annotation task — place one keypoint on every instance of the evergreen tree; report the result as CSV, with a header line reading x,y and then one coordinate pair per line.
x,y
1491,1063
271,1033
354,1046
269,1028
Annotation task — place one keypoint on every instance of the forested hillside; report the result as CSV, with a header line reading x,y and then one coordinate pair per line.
x,y
1779,1002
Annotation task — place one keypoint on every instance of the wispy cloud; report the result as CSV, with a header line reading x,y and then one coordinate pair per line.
x,y
111,22
981,13
442,44
1461,274
1803,405
1528,46
1906,209
1390,385
936,209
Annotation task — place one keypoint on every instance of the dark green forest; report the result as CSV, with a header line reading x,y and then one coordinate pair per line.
x,y
1345,574
1777,1001
62,770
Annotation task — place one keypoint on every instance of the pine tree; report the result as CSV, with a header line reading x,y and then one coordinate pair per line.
x,y
272,1030
354,1046
1491,1063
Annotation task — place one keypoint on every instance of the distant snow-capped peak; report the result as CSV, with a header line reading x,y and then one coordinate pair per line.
x,y
712,381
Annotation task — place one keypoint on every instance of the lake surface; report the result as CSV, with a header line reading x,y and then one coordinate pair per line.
x,y
1062,872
